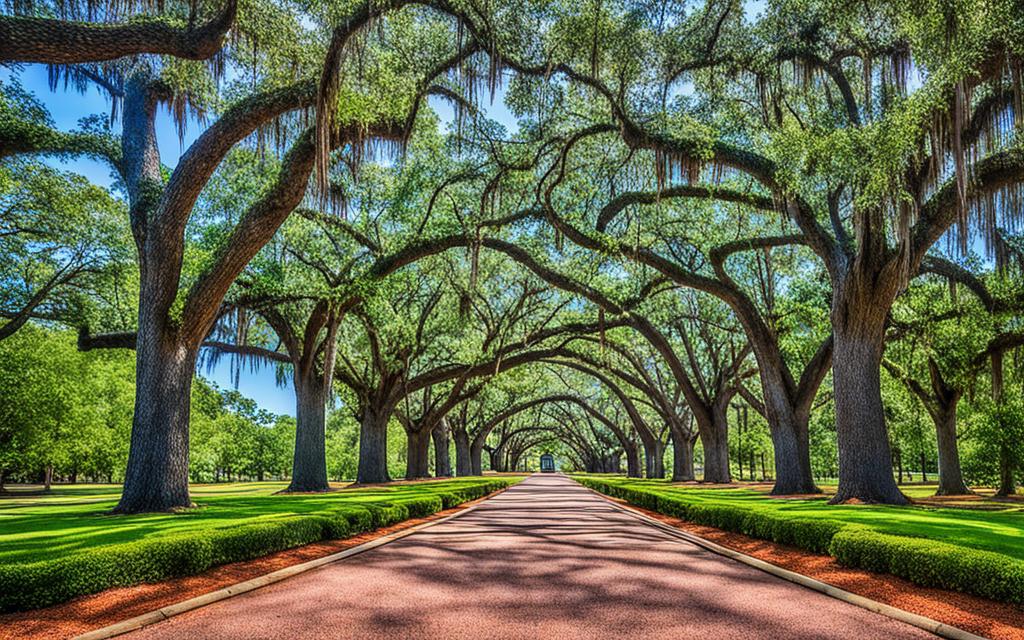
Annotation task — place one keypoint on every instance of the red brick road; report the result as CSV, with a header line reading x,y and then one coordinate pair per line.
x,y
545,559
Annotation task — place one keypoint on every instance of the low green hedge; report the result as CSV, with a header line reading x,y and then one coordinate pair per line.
x,y
920,560
931,563
39,584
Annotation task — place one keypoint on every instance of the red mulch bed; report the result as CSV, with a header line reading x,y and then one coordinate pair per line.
x,y
108,607
996,620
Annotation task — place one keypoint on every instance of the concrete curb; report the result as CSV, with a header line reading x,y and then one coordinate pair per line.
x,y
940,629
191,604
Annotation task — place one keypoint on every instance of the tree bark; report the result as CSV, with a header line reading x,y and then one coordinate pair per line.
x,y
157,475
373,446
309,463
50,41
442,458
792,448
951,478
476,456
633,466
417,459
682,457
654,459
463,457
865,458
714,437
497,456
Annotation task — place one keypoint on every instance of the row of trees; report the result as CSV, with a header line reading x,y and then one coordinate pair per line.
x,y
698,211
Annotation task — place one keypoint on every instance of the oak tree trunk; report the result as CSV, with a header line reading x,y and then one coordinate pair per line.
x,y
497,460
633,466
476,459
157,475
463,459
951,479
682,458
865,458
373,446
309,463
442,459
654,459
417,459
714,437
792,448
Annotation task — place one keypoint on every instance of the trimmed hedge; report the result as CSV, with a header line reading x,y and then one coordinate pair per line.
x,y
39,584
931,563
920,560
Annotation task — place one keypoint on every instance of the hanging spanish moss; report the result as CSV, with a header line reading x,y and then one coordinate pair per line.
x,y
670,168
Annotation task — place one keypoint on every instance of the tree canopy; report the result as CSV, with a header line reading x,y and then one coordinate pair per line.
x,y
757,235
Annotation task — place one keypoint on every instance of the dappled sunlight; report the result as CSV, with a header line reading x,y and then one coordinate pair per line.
x,y
545,559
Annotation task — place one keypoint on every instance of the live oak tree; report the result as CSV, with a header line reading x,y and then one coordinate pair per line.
x,y
286,72
944,337
870,177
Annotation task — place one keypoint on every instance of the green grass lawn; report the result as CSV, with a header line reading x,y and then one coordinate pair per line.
x,y
75,518
1001,531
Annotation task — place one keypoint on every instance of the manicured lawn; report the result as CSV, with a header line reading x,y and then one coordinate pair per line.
x,y
1001,531
75,518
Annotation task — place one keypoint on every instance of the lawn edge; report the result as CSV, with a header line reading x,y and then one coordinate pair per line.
x,y
168,611
922,622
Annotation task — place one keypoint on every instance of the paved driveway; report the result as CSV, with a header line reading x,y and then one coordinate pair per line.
x,y
545,559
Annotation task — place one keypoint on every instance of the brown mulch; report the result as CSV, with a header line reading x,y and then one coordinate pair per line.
x,y
996,620
108,607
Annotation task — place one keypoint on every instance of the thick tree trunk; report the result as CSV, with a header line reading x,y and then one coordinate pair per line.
x,y
654,459
787,419
157,475
790,442
951,479
373,446
633,466
513,461
865,459
682,458
497,460
476,459
417,459
714,437
309,463
613,463
442,459
463,458
48,478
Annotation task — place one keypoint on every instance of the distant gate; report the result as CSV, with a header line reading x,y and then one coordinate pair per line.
x,y
547,463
